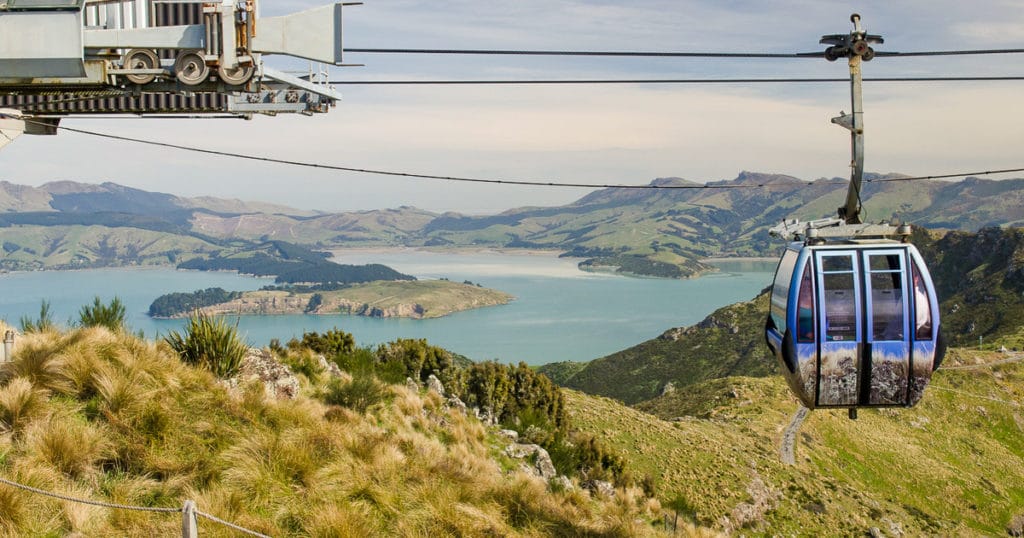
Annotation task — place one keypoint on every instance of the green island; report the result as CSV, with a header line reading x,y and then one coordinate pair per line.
x,y
307,283
418,299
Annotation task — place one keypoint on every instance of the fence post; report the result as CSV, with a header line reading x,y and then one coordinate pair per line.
x,y
189,528
8,345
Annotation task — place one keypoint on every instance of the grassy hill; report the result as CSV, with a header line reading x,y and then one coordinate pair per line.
x,y
386,227
664,231
728,342
980,282
979,279
951,466
27,248
108,417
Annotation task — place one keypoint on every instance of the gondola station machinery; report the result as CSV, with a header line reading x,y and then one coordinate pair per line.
x,y
853,319
61,58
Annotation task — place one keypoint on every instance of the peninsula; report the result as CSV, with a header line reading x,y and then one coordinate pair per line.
x,y
417,299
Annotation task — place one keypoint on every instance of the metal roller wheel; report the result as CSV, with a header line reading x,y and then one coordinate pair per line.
x,y
140,59
831,54
190,68
860,48
869,54
237,76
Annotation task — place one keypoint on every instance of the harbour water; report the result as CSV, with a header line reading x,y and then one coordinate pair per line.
x,y
560,313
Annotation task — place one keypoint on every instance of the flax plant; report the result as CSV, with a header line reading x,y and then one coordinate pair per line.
x,y
209,342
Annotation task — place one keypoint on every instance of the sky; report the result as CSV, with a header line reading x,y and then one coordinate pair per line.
x,y
598,133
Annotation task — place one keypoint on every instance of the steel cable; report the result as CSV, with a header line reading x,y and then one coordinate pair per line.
x,y
413,175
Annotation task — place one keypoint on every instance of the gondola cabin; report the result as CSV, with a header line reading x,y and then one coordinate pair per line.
x,y
855,324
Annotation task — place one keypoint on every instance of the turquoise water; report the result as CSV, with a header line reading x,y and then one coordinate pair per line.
x,y
560,313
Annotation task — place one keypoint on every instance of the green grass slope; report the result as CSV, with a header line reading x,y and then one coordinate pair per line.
x,y
77,247
980,282
728,342
951,466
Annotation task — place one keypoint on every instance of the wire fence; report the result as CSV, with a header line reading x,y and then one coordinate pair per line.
x,y
189,512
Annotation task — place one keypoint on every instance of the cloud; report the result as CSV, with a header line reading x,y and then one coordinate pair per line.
x,y
612,134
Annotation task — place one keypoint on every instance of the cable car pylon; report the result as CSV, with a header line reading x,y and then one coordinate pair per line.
x,y
853,318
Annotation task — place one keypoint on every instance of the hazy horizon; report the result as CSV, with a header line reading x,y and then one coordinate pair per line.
x,y
627,133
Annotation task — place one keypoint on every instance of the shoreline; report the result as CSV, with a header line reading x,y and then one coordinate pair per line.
x,y
718,259
423,299
505,251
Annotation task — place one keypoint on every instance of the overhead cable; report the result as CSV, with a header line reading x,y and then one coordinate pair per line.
x,y
492,181
667,54
787,80
605,53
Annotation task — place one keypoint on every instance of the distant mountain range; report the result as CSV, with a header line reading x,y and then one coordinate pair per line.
x,y
663,231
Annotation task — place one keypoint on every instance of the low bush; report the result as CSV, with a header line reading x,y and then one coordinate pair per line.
x,y
330,344
303,362
360,394
209,342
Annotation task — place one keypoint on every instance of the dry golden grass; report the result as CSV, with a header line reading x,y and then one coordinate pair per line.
x,y
106,416
67,443
20,400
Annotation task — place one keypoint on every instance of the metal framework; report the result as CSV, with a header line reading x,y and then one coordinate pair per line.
x,y
61,58
856,46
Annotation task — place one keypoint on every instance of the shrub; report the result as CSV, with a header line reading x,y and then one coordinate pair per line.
x,y
305,363
515,394
585,456
43,324
417,359
359,394
110,315
330,344
41,360
209,342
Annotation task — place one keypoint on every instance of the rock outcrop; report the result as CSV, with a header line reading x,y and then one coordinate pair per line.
x,y
542,465
279,382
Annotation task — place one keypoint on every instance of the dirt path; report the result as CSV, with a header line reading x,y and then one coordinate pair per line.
x,y
1014,357
789,436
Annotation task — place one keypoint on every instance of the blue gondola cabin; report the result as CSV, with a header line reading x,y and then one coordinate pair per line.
x,y
854,324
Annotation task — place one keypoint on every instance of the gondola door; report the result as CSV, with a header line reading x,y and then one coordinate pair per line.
x,y
840,328
886,368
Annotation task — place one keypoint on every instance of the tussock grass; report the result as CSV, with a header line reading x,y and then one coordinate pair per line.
x,y
67,443
101,414
39,358
20,400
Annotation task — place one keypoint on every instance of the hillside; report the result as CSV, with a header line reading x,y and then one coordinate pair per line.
x,y
729,342
951,466
386,227
663,231
26,248
107,417
980,282
979,279
74,197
